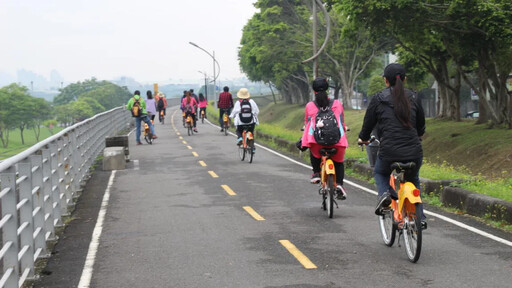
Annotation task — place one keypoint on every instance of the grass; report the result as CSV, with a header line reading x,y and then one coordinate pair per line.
x,y
15,146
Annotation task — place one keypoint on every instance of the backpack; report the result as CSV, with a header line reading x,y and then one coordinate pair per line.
x,y
188,107
245,114
160,104
327,129
136,108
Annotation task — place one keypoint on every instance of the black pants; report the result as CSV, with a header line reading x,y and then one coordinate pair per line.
x,y
193,118
339,167
240,129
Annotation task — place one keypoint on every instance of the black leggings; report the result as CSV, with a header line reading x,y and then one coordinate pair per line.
x,y
191,116
339,167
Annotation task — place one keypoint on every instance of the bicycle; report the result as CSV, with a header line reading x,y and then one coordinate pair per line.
x,y
247,146
328,181
148,136
403,215
202,116
161,116
184,116
225,122
190,125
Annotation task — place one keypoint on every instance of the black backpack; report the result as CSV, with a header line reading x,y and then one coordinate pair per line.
x,y
328,133
245,114
160,103
136,109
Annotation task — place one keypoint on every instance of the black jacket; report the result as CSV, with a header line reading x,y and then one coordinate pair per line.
x,y
397,143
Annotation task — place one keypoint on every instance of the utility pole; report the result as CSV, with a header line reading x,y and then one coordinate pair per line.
x,y
315,40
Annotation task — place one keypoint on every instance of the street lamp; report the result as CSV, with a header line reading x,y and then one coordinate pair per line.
x,y
205,84
215,75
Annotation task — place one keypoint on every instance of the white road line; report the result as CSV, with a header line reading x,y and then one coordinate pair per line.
x,y
85,279
135,164
447,219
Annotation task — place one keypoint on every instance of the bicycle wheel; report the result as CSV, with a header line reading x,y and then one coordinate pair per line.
x,y
250,148
330,196
189,129
226,129
387,229
241,152
412,231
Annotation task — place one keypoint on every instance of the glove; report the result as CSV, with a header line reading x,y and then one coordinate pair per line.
x,y
299,146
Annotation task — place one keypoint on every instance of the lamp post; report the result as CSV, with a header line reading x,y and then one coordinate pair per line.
x,y
205,84
215,75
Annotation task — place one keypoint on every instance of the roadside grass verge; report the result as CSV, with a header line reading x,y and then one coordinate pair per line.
x,y
15,146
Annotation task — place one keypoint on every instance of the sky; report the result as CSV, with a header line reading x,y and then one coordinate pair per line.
x,y
147,40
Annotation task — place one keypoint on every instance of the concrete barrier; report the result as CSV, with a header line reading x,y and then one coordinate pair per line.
x,y
114,158
119,141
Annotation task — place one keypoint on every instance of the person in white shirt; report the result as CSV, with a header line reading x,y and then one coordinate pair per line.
x,y
245,113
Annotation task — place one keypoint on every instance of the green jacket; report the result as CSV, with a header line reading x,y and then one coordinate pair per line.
x,y
141,101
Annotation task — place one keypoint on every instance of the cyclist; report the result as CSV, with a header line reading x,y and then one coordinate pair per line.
x,y
245,114
189,105
144,117
320,86
225,104
202,104
400,121
150,105
161,105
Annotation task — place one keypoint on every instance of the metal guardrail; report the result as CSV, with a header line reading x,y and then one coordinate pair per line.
x,y
40,185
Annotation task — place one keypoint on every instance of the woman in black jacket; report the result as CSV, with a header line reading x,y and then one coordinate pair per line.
x,y
400,121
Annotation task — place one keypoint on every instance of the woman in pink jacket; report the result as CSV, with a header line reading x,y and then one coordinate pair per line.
x,y
189,106
320,87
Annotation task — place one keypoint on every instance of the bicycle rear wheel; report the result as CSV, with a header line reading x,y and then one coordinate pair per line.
x,y
225,129
330,196
412,231
250,147
189,129
387,229
241,152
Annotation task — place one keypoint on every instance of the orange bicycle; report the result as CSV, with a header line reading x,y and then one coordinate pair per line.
x,y
247,146
190,125
184,119
328,181
161,116
225,122
403,215
147,133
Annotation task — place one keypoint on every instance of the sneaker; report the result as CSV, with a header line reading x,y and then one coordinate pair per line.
x,y
315,178
154,137
384,201
423,225
195,130
221,129
239,141
253,150
139,143
341,193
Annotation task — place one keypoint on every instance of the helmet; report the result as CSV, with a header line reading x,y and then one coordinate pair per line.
x,y
320,84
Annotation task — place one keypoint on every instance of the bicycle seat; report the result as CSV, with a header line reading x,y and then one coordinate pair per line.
x,y
328,151
401,166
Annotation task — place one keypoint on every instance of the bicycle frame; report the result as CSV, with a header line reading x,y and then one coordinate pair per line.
x,y
327,168
246,136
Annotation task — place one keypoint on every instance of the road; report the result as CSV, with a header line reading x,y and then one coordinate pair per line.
x,y
188,213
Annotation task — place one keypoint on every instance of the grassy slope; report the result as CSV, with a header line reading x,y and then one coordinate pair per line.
x,y
15,145
453,150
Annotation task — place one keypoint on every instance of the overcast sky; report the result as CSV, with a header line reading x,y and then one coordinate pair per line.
x,y
147,40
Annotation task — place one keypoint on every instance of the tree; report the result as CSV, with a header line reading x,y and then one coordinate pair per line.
x,y
40,110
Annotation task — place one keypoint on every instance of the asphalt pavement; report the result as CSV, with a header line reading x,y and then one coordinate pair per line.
x,y
186,212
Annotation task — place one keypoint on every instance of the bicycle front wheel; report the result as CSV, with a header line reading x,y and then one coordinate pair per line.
x,y
330,196
225,129
387,229
189,129
412,231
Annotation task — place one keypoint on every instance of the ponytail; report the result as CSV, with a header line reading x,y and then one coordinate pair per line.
x,y
321,99
402,106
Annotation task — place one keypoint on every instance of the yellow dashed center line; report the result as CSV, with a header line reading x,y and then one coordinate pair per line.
x,y
228,190
184,142
189,147
195,154
178,133
298,255
213,174
181,137
202,163
253,213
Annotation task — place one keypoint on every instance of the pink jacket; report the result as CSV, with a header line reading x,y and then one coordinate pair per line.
x,y
203,104
309,123
193,103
